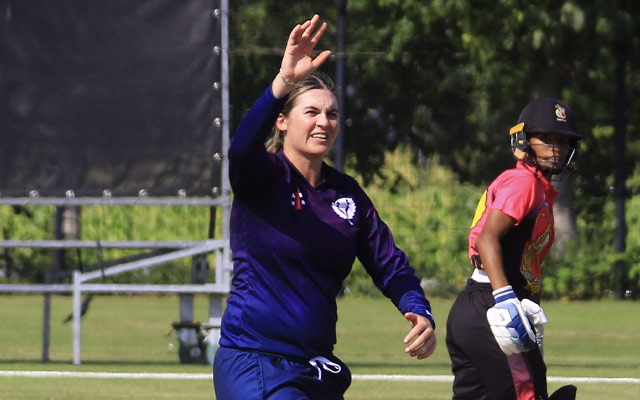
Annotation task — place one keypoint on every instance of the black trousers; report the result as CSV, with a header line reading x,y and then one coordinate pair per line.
x,y
481,370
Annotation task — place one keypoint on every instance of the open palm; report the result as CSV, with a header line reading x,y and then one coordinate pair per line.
x,y
297,62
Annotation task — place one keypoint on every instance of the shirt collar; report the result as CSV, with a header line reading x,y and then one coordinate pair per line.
x,y
548,187
533,169
329,174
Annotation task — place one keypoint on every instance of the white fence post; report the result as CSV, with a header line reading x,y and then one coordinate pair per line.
x,y
77,317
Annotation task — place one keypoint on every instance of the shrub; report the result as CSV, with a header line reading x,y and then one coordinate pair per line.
x,y
429,214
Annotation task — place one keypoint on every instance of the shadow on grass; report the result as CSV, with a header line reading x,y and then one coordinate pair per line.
x,y
387,365
95,362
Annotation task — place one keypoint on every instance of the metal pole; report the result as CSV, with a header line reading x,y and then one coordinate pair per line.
x,y
341,82
620,177
226,186
223,258
52,277
46,320
77,317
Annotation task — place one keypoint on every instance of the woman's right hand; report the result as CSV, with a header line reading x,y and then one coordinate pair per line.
x,y
297,62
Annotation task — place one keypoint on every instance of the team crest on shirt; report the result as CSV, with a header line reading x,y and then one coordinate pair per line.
x,y
536,249
345,207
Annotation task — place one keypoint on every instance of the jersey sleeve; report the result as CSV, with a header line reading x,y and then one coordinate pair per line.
x,y
389,266
249,164
514,196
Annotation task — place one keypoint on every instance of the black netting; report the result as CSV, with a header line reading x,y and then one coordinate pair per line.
x,y
112,95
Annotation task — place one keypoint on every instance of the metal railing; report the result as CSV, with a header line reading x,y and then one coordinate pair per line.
x,y
79,285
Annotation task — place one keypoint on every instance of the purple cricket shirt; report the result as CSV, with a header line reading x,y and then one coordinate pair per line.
x,y
293,245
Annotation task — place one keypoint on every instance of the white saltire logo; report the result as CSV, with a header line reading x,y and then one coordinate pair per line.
x,y
345,207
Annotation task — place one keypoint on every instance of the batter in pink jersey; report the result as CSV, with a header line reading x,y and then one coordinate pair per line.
x,y
525,195
495,326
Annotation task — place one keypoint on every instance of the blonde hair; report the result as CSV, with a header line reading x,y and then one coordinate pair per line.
x,y
317,80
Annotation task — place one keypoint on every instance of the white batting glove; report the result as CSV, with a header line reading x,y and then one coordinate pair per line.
x,y
510,323
537,318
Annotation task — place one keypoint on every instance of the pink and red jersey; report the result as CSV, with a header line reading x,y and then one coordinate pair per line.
x,y
525,195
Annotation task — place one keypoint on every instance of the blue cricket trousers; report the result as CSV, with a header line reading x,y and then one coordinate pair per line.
x,y
250,375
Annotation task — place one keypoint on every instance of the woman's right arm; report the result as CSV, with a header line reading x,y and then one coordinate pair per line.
x,y
248,159
247,156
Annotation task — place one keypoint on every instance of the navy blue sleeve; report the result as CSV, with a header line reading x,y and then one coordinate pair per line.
x,y
248,158
388,265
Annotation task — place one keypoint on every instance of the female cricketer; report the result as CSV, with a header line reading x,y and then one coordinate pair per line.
x,y
297,226
495,326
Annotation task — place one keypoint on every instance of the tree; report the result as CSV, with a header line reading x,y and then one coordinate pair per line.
x,y
449,78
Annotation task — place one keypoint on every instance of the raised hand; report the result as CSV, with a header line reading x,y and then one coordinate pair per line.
x,y
297,62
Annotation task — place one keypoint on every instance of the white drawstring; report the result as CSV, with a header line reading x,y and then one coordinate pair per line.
x,y
327,365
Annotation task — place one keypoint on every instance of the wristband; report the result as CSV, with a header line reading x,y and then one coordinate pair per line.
x,y
504,293
285,80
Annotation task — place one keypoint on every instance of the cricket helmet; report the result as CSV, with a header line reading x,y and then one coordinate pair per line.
x,y
544,115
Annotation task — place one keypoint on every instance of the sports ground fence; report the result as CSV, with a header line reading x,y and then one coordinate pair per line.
x,y
115,104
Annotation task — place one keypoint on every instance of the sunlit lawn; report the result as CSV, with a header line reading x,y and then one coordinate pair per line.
x,y
133,334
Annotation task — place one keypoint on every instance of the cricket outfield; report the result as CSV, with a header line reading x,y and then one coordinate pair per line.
x,y
129,350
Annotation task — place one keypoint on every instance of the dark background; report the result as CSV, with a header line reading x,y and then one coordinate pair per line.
x,y
112,95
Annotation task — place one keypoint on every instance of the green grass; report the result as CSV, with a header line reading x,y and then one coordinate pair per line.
x,y
132,334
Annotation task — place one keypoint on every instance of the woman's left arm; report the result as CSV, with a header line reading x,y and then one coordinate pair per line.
x,y
390,270
490,249
421,339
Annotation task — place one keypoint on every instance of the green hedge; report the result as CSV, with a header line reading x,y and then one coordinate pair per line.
x,y
100,223
428,210
429,213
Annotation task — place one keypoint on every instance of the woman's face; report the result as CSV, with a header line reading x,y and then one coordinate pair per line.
x,y
311,126
551,149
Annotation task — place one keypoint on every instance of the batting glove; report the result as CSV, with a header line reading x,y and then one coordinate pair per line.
x,y
537,318
509,323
